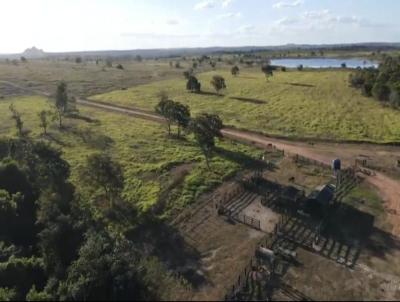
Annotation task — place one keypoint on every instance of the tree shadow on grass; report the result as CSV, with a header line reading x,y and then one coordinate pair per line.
x,y
249,100
90,138
155,238
244,160
86,119
300,85
209,93
52,138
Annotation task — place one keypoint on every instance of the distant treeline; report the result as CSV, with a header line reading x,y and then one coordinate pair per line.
x,y
383,83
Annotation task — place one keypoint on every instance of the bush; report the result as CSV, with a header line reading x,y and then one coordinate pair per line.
x,y
394,97
22,273
7,294
381,91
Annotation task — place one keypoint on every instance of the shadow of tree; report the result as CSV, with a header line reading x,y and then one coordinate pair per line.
x,y
249,100
209,93
86,119
91,138
300,85
243,159
155,238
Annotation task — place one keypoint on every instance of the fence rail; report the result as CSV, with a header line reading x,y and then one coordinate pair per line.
x,y
302,159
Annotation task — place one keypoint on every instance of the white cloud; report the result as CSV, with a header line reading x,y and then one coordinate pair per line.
x,y
286,21
322,20
230,16
173,22
204,5
226,3
246,29
283,4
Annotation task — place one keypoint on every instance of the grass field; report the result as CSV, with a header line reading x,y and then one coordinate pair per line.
x,y
315,104
157,169
83,79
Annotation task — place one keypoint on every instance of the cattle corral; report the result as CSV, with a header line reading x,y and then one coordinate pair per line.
x,y
270,204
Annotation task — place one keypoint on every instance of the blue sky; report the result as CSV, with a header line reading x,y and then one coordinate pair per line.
x,y
71,25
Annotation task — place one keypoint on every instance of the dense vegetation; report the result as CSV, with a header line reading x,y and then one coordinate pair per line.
x,y
50,246
382,83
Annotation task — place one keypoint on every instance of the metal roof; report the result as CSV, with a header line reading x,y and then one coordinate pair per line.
x,y
324,194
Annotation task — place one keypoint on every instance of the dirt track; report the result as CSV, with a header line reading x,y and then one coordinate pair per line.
x,y
388,188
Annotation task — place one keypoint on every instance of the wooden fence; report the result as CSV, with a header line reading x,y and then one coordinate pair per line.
x,y
302,159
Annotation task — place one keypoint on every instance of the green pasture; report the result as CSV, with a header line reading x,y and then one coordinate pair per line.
x,y
309,104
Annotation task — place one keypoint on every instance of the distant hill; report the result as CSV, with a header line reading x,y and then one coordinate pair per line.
x,y
34,53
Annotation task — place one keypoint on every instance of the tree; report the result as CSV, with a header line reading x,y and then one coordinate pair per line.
x,y
61,105
24,60
218,83
206,128
16,116
43,116
381,91
188,73
181,116
138,58
193,85
107,269
78,60
35,295
177,65
165,109
109,62
174,113
267,70
120,67
103,173
300,67
394,97
235,71
344,65
7,294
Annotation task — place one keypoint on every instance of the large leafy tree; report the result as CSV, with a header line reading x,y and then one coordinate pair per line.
x,y
102,172
165,109
218,82
174,113
235,71
107,269
193,84
206,128
181,116
268,70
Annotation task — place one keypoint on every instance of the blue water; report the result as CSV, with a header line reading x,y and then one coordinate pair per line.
x,y
324,63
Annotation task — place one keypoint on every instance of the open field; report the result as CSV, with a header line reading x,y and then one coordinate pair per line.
x,y
313,104
84,79
169,173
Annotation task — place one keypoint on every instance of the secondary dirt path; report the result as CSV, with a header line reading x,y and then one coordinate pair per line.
x,y
388,188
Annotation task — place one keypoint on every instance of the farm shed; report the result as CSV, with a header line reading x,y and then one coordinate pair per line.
x,y
319,200
323,194
291,194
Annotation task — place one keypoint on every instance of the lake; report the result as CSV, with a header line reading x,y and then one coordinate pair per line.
x,y
324,63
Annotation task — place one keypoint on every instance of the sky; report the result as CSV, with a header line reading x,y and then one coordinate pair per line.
x,y
76,25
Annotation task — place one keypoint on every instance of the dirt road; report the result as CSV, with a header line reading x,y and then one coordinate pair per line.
x,y
388,188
